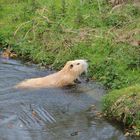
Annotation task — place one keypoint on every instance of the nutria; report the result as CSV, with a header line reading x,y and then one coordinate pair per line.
x,y
66,76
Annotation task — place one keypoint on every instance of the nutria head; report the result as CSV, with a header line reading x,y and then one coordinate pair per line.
x,y
76,67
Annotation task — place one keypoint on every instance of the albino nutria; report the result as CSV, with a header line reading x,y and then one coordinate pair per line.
x,y
66,76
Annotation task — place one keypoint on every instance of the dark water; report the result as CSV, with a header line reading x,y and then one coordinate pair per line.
x,y
50,114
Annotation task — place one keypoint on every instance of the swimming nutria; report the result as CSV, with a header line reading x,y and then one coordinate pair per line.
x,y
66,76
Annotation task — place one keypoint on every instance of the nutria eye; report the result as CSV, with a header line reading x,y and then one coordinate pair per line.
x,y
71,66
78,63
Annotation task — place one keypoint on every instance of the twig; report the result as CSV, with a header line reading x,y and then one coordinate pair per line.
x,y
116,7
21,26
31,29
27,32
47,19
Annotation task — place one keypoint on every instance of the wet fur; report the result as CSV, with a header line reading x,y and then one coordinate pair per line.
x,y
66,76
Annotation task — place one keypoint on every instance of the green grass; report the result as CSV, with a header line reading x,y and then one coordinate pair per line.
x,y
53,32
124,106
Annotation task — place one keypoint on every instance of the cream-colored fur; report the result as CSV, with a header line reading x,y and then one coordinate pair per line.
x,y
64,77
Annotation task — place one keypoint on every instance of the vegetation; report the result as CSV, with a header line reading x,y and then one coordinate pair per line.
x,y
124,106
52,32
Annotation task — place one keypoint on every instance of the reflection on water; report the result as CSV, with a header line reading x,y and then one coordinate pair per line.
x,y
49,114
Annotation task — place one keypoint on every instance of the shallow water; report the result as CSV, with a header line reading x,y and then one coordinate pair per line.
x,y
50,114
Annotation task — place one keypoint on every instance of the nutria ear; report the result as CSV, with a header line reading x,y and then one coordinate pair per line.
x,y
71,66
68,63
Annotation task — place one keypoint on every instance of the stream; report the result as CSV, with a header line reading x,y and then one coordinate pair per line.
x,y
50,114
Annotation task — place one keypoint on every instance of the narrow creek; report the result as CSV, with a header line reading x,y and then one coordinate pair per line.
x,y
50,114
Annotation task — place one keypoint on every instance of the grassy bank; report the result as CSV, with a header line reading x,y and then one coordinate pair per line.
x,y
52,32
124,106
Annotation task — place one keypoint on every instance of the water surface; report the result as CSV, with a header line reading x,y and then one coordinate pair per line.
x,y
50,114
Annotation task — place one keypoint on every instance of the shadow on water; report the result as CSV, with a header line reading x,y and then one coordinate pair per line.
x,y
49,114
